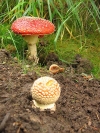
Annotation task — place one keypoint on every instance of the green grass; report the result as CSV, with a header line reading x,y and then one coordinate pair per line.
x,y
68,16
88,49
66,49
77,28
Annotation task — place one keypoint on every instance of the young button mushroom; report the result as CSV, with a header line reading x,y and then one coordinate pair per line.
x,y
45,92
31,28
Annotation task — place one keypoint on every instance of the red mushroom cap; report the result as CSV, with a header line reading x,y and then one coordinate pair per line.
x,y
32,26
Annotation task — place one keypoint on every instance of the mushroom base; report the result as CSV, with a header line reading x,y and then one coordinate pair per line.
x,y
42,107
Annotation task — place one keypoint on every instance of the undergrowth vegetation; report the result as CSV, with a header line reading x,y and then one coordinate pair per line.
x,y
77,27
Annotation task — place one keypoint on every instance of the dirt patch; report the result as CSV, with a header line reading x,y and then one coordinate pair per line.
x,y
78,108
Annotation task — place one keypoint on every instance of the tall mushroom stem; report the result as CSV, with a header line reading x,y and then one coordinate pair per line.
x,y
32,48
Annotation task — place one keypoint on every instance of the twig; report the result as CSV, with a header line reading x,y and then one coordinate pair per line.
x,y
4,122
18,129
21,127
97,116
94,128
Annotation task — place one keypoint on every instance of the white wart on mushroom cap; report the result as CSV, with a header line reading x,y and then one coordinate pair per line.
x,y
31,28
45,91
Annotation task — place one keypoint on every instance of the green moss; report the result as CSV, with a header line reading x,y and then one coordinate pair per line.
x,y
88,47
66,49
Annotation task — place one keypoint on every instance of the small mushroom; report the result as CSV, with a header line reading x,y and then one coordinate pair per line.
x,y
32,28
45,92
55,69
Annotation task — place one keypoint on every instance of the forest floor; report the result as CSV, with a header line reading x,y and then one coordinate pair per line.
x,y
77,109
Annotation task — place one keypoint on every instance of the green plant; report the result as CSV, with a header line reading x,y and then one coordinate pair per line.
x,y
74,21
68,16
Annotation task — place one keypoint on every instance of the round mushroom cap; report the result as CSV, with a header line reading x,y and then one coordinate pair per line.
x,y
54,68
45,90
32,26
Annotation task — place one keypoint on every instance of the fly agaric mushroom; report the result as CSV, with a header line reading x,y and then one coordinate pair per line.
x,y
45,92
31,28
54,69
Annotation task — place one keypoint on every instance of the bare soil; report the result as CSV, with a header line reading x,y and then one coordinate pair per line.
x,y
78,108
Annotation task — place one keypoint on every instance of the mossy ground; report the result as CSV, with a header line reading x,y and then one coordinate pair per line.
x,y
87,46
67,48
